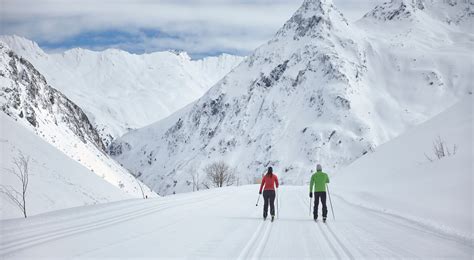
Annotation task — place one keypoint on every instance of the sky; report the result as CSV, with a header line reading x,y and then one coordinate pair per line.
x,y
199,27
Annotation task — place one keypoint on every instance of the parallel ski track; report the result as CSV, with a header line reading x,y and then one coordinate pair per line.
x,y
111,207
343,246
160,227
260,236
330,244
246,250
9,246
348,253
262,242
392,252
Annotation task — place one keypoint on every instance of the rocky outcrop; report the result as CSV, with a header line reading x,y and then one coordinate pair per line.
x,y
25,95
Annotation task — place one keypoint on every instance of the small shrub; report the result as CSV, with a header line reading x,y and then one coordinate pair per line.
x,y
441,149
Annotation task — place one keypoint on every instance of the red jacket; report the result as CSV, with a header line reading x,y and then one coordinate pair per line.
x,y
269,182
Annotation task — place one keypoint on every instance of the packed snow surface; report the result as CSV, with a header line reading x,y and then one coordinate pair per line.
x,y
222,224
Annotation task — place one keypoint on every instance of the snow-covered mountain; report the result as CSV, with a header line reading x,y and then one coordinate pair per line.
x,y
26,97
120,91
322,90
452,12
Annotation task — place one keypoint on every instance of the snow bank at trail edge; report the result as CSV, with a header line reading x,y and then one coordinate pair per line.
x,y
55,181
399,179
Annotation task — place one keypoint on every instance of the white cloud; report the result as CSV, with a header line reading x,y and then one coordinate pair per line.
x,y
197,26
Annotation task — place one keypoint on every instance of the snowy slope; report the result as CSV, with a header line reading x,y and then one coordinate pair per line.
x,y
399,178
26,97
56,181
121,91
223,224
322,90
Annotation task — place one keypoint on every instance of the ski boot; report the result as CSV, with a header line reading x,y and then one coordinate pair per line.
x,y
273,218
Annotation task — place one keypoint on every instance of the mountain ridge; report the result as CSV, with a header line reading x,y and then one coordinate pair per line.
x,y
121,91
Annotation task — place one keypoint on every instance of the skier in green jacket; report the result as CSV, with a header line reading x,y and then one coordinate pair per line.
x,y
318,185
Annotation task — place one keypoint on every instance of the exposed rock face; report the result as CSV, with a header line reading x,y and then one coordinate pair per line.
x,y
28,97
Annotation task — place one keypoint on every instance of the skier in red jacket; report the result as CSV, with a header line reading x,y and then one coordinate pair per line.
x,y
270,181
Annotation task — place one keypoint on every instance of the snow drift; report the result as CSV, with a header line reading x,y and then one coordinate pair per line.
x,y
400,178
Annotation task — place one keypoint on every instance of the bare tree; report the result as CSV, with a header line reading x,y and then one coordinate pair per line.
x,y
21,171
206,185
141,188
441,149
139,183
219,174
195,180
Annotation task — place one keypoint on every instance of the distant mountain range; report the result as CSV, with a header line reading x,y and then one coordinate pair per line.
x,y
120,91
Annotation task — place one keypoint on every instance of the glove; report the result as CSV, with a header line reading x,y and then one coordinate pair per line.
x,y
310,194
260,193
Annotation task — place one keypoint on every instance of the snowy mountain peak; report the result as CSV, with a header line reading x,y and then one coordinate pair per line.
x,y
314,7
22,45
396,10
182,54
313,19
447,11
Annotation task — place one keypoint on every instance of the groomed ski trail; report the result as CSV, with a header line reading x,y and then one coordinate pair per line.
x,y
222,223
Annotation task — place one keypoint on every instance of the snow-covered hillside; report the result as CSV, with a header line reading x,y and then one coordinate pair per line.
x,y
26,97
398,177
120,91
322,90
55,180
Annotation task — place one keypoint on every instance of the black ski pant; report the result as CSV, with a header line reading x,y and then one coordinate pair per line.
x,y
268,198
320,195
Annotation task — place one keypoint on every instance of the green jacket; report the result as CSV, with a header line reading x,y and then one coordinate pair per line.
x,y
318,182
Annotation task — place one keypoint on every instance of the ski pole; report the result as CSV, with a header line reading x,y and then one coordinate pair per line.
x,y
256,205
310,204
278,209
330,202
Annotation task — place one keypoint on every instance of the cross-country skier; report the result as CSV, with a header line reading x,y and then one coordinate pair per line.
x,y
318,184
269,181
